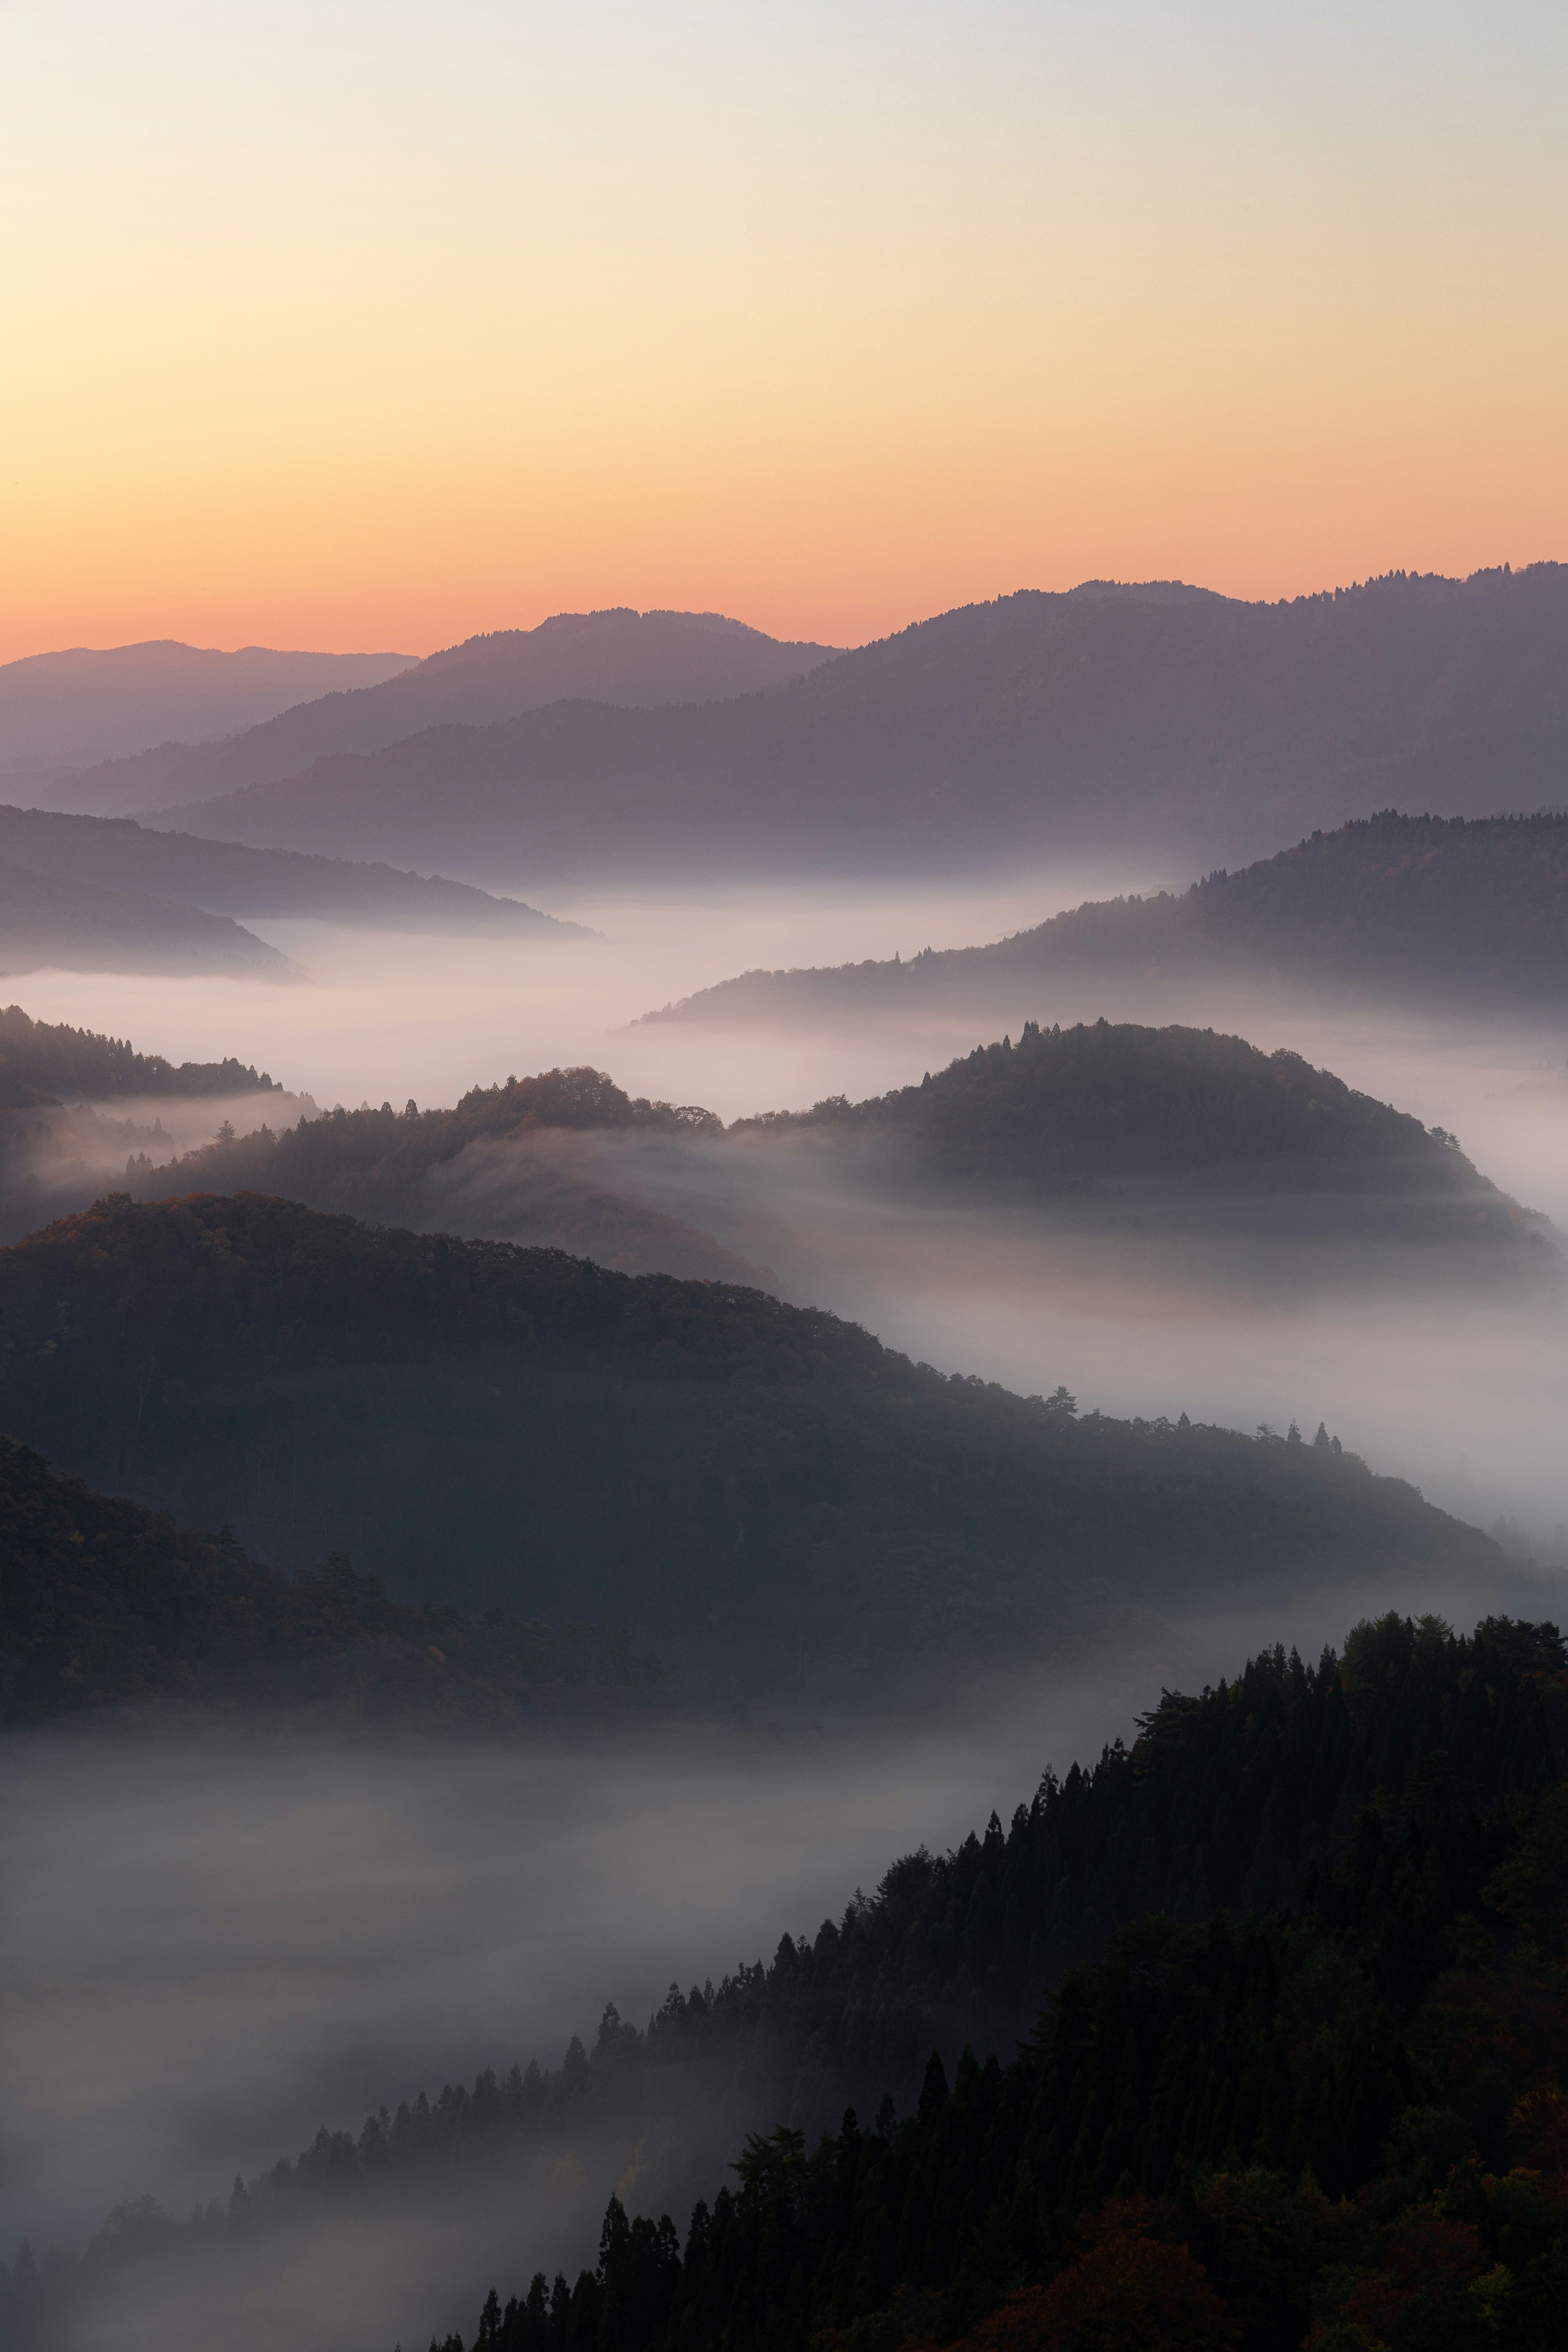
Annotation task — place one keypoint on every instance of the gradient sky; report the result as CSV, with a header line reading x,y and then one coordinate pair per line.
x,y
376,323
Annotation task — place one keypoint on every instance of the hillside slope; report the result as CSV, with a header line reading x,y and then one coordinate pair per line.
x,y
616,656
764,1496
45,920
1422,907
1000,732
115,853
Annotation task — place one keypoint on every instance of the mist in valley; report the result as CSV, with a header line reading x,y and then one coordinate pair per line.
x,y
218,1942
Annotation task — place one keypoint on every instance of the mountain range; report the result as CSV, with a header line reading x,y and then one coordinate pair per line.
x,y
1193,723
63,712
618,656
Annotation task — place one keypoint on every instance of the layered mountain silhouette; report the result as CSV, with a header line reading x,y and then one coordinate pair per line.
x,y
763,1495
1159,714
60,866
62,712
1424,908
46,921
618,657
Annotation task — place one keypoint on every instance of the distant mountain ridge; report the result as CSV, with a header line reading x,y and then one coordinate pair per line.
x,y
72,710
1010,729
617,656
105,888
1445,907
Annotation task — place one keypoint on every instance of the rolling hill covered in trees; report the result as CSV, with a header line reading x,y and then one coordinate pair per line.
x,y
1019,729
762,1495
1421,908
491,1167
617,656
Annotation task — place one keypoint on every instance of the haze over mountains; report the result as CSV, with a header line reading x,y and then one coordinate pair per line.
x,y
1396,908
618,656
1037,724
67,711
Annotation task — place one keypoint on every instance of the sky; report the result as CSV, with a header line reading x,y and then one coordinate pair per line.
x,y
362,326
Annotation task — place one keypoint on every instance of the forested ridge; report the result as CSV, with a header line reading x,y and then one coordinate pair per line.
x,y
44,1062
763,1495
1298,1949
1457,907
1339,2122
103,1603
1121,1099
388,1165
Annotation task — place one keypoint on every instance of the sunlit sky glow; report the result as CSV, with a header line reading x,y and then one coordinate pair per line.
x,y
357,325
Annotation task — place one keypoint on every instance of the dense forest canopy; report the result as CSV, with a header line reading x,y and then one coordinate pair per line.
x,y
103,1602
1448,906
997,732
764,1494
44,1062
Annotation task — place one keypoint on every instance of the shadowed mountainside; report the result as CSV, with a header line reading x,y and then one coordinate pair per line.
x,y
1004,731
1467,909
764,1496
616,656
105,1603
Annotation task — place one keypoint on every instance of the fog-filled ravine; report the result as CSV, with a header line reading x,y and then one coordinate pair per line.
x,y
222,1935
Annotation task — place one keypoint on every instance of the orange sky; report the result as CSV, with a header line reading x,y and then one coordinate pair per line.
x,y
375,325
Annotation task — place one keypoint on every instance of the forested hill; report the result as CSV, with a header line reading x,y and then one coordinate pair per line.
x,y
44,1062
763,1495
1390,1794
1423,906
1122,1101
1341,2124
104,1603
986,735
513,1182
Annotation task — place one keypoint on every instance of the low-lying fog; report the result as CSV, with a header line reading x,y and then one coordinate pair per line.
x,y
213,1948
214,1945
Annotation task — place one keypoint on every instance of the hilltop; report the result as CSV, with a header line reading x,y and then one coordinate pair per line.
x,y
46,920
763,1495
1010,731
